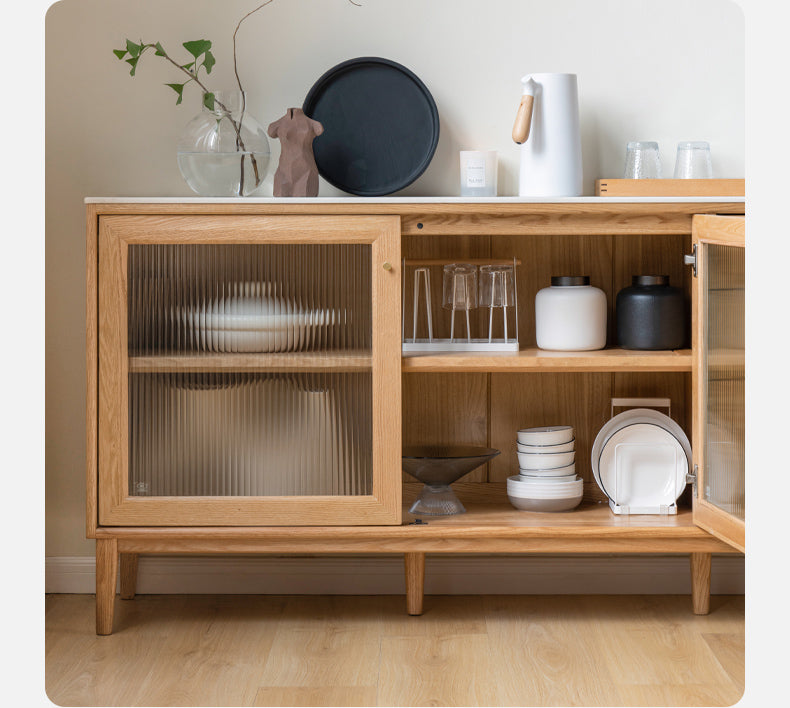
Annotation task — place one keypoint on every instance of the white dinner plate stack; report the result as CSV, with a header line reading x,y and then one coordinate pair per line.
x,y
252,319
640,459
547,478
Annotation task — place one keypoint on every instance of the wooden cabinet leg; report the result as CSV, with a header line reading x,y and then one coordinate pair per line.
x,y
415,582
128,575
700,583
106,574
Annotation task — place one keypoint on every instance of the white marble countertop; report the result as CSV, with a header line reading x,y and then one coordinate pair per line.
x,y
410,200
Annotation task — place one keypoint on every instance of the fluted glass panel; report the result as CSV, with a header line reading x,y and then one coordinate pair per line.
x,y
724,367
206,416
249,298
250,434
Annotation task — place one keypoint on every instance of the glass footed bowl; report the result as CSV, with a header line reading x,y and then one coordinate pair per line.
x,y
437,467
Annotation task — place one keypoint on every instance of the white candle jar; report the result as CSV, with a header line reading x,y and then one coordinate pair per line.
x,y
570,315
478,173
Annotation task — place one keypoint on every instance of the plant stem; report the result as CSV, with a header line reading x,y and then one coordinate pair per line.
x,y
241,88
238,79
235,63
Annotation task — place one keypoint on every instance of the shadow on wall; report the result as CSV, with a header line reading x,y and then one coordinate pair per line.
x,y
440,177
594,144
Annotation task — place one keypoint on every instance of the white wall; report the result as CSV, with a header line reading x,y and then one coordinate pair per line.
x,y
665,70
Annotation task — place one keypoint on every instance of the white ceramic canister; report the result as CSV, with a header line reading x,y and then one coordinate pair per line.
x,y
570,315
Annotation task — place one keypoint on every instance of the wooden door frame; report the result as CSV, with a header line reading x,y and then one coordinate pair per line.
x,y
113,506
722,231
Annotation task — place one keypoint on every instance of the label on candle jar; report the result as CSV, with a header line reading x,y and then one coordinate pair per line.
x,y
476,172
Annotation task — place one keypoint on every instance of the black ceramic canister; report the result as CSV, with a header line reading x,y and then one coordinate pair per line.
x,y
651,314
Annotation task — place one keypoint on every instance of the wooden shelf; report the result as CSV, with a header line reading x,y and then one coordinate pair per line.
x,y
360,360
539,360
496,528
333,361
501,515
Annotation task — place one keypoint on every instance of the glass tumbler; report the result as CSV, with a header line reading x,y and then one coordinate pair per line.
x,y
642,161
693,161
497,289
426,279
459,292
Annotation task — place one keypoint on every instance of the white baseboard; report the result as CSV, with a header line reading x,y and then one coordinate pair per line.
x,y
383,575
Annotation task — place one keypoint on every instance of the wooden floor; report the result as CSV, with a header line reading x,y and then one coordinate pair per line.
x,y
242,650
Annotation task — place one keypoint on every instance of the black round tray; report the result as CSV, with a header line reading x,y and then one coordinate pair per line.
x,y
380,123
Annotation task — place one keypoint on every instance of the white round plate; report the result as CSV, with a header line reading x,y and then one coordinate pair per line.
x,y
546,493
542,449
642,465
221,332
549,461
553,482
629,417
519,488
547,435
545,481
555,472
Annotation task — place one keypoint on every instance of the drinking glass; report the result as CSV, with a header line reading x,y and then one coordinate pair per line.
x,y
426,279
642,161
693,160
497,289
459,288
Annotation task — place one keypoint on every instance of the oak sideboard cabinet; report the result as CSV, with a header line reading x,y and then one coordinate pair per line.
x,y
247,392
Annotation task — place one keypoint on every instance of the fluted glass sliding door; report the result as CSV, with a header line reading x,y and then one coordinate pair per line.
x,y
255,375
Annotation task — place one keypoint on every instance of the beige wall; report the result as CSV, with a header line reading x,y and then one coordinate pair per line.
x,y
666,70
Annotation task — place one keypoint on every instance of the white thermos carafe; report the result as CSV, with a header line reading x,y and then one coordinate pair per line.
x,y
547,128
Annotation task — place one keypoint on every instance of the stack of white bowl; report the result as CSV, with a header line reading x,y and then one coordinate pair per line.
x,y
547,478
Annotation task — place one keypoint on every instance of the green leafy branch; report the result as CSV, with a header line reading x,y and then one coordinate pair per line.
x,y
202,58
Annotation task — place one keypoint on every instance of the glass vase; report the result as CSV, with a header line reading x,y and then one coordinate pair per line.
x,y
223,151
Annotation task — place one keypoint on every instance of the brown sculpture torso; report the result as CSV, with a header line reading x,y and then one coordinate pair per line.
x,y
297,174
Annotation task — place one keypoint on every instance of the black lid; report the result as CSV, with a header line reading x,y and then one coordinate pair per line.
x,y
650,280
570,280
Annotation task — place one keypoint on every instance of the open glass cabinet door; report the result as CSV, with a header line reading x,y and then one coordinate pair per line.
x,y
718,342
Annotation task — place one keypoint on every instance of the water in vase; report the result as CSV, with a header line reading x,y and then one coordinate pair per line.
x,y
219,174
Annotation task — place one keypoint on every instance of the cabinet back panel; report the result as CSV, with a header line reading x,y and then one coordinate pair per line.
x,y
544,256
532,400
610,261
650,255
446,409
488,409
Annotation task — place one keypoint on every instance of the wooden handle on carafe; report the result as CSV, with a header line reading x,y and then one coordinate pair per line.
x,y
523,119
